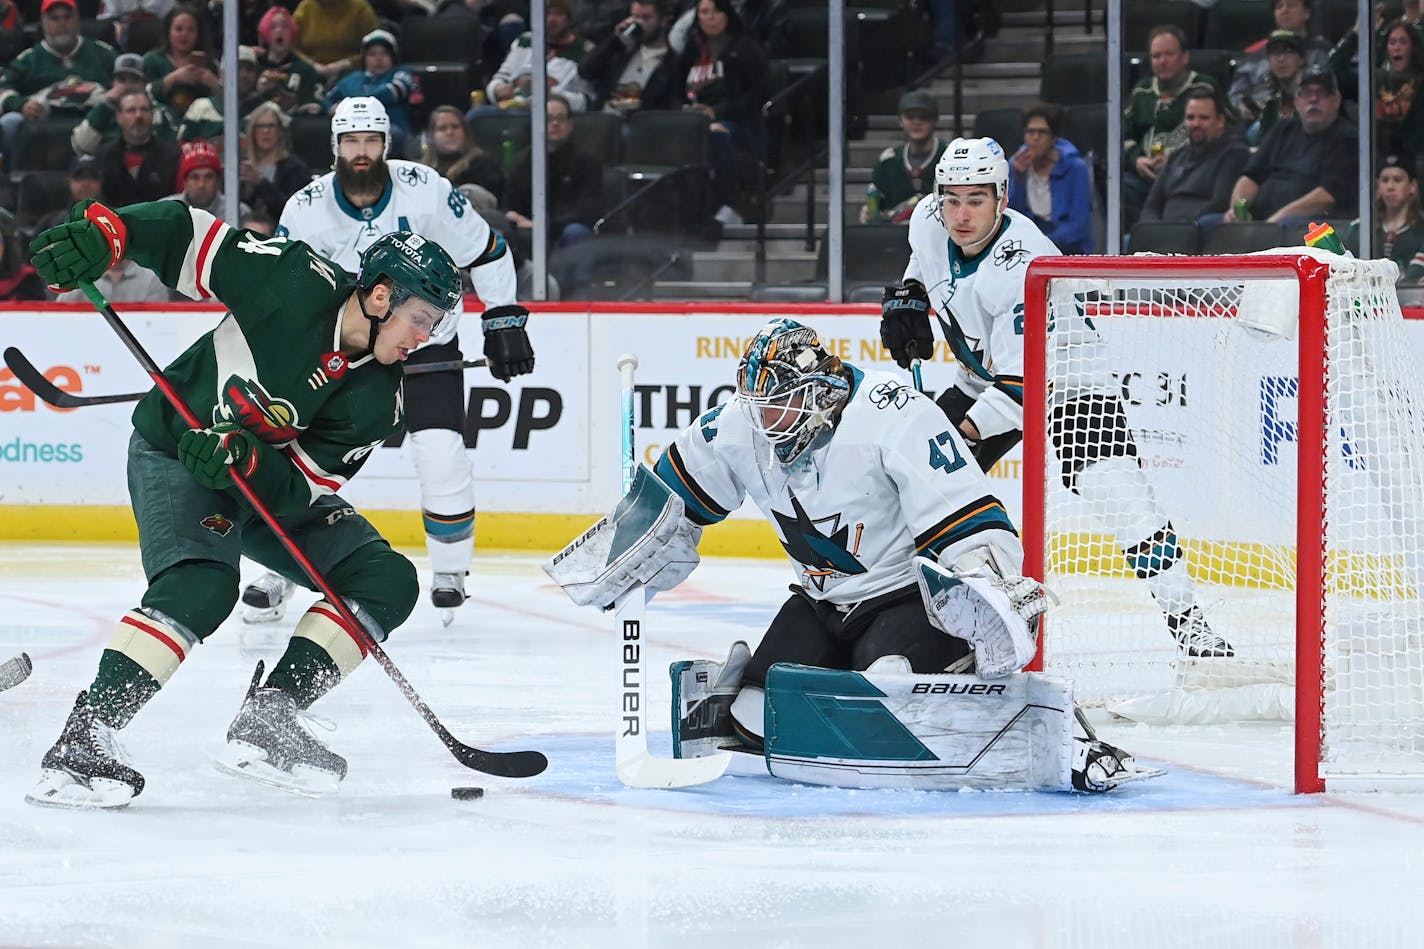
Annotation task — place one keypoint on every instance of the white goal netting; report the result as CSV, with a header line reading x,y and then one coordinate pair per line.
x,y
1191,546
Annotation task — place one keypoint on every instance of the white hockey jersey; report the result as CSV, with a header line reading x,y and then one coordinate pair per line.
x,y
893,480
982,300
417,199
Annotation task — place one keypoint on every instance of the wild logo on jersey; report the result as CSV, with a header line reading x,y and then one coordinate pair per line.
x,y
823,554
248,404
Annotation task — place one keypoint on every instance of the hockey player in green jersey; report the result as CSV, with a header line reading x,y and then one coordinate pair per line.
x,y
301,381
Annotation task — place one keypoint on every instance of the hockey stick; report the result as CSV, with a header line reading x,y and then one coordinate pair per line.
x,y
636,766
506,764
14,671
31,378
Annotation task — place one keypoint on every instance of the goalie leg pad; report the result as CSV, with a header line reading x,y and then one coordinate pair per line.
x,y
878,729
647,540
702,694
998,615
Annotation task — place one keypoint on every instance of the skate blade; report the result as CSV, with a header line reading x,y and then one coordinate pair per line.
x,y
249,763
259,614
447,616
61,789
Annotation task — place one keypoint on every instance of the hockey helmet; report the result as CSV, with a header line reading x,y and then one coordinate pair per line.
x,y
973,161
790,387
416,267
360,114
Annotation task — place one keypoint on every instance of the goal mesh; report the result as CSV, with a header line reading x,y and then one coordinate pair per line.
x,y
1233,532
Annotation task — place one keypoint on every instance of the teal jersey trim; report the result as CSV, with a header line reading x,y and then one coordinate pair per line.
x,y
363,214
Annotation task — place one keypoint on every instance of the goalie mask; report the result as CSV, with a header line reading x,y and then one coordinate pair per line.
x,y
789,387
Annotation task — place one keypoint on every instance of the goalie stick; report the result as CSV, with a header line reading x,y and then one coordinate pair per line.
x,y
637,768
14,671
506,764
34,380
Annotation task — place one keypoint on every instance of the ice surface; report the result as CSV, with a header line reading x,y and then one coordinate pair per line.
x,y
1216,855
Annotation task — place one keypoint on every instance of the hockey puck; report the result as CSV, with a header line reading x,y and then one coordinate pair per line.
x,y
467,794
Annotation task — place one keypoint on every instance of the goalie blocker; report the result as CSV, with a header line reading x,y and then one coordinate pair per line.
x,y
888,727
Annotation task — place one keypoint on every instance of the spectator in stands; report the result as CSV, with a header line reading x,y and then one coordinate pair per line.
x,y
449,151
204,119
125,282
64,73
631,67
18,280
199,180
86,182
184,67
595,19
501,20
101,123
904,173
126,13
575,192
1198,178
1152,121
508,88
139,165
1398,221
1307,166
766,21
329,34
283,76
12,38
381,78
1399,104
1285,60
1251,84
723,75
1050,182
269,173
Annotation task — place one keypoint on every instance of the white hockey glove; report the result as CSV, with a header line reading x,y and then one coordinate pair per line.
x,y
647,540
997,615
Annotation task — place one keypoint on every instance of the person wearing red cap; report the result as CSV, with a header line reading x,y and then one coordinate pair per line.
x,y
46,77
199,183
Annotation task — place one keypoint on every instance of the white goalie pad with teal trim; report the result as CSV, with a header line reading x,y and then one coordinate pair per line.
x,y
906,730
647,539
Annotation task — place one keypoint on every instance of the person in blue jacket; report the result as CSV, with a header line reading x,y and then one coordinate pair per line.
x,y
396,86
1050,181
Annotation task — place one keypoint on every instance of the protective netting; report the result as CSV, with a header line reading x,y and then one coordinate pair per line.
x,y
1173,479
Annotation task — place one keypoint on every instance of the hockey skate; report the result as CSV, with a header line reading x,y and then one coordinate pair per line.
x,y
1195,637
86,767
265,599
269,742
1099,767
447,592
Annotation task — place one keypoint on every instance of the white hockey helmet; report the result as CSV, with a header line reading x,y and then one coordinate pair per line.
x,y
360,114
973,161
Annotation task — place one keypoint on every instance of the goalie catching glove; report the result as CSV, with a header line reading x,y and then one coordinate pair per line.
x,y
507,349
80,250
905,322
209,454
997,615
647,541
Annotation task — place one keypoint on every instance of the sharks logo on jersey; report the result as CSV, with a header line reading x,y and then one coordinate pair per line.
x,y
412,175
1009,254
823,554
311,192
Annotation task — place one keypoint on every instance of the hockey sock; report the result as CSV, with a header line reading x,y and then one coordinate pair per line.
x,y
143,653
447,497
322,651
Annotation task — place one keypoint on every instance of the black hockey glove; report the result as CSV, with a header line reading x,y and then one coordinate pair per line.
x,y
905,322
507,348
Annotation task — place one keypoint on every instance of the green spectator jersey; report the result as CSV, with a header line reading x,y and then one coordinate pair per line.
x,y
40,67
896,187
1148,120
273,364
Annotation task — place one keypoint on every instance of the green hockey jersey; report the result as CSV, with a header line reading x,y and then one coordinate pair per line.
x,y
274,364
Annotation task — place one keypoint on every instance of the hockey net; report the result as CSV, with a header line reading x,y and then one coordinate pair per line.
x,y
1276,407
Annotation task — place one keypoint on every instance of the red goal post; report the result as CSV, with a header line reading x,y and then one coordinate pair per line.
x,y
1187,313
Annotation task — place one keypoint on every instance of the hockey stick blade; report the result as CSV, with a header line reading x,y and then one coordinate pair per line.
x,y
31,378
644,771
14,671
501,764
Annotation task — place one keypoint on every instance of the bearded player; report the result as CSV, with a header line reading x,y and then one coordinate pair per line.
x,y
342,213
